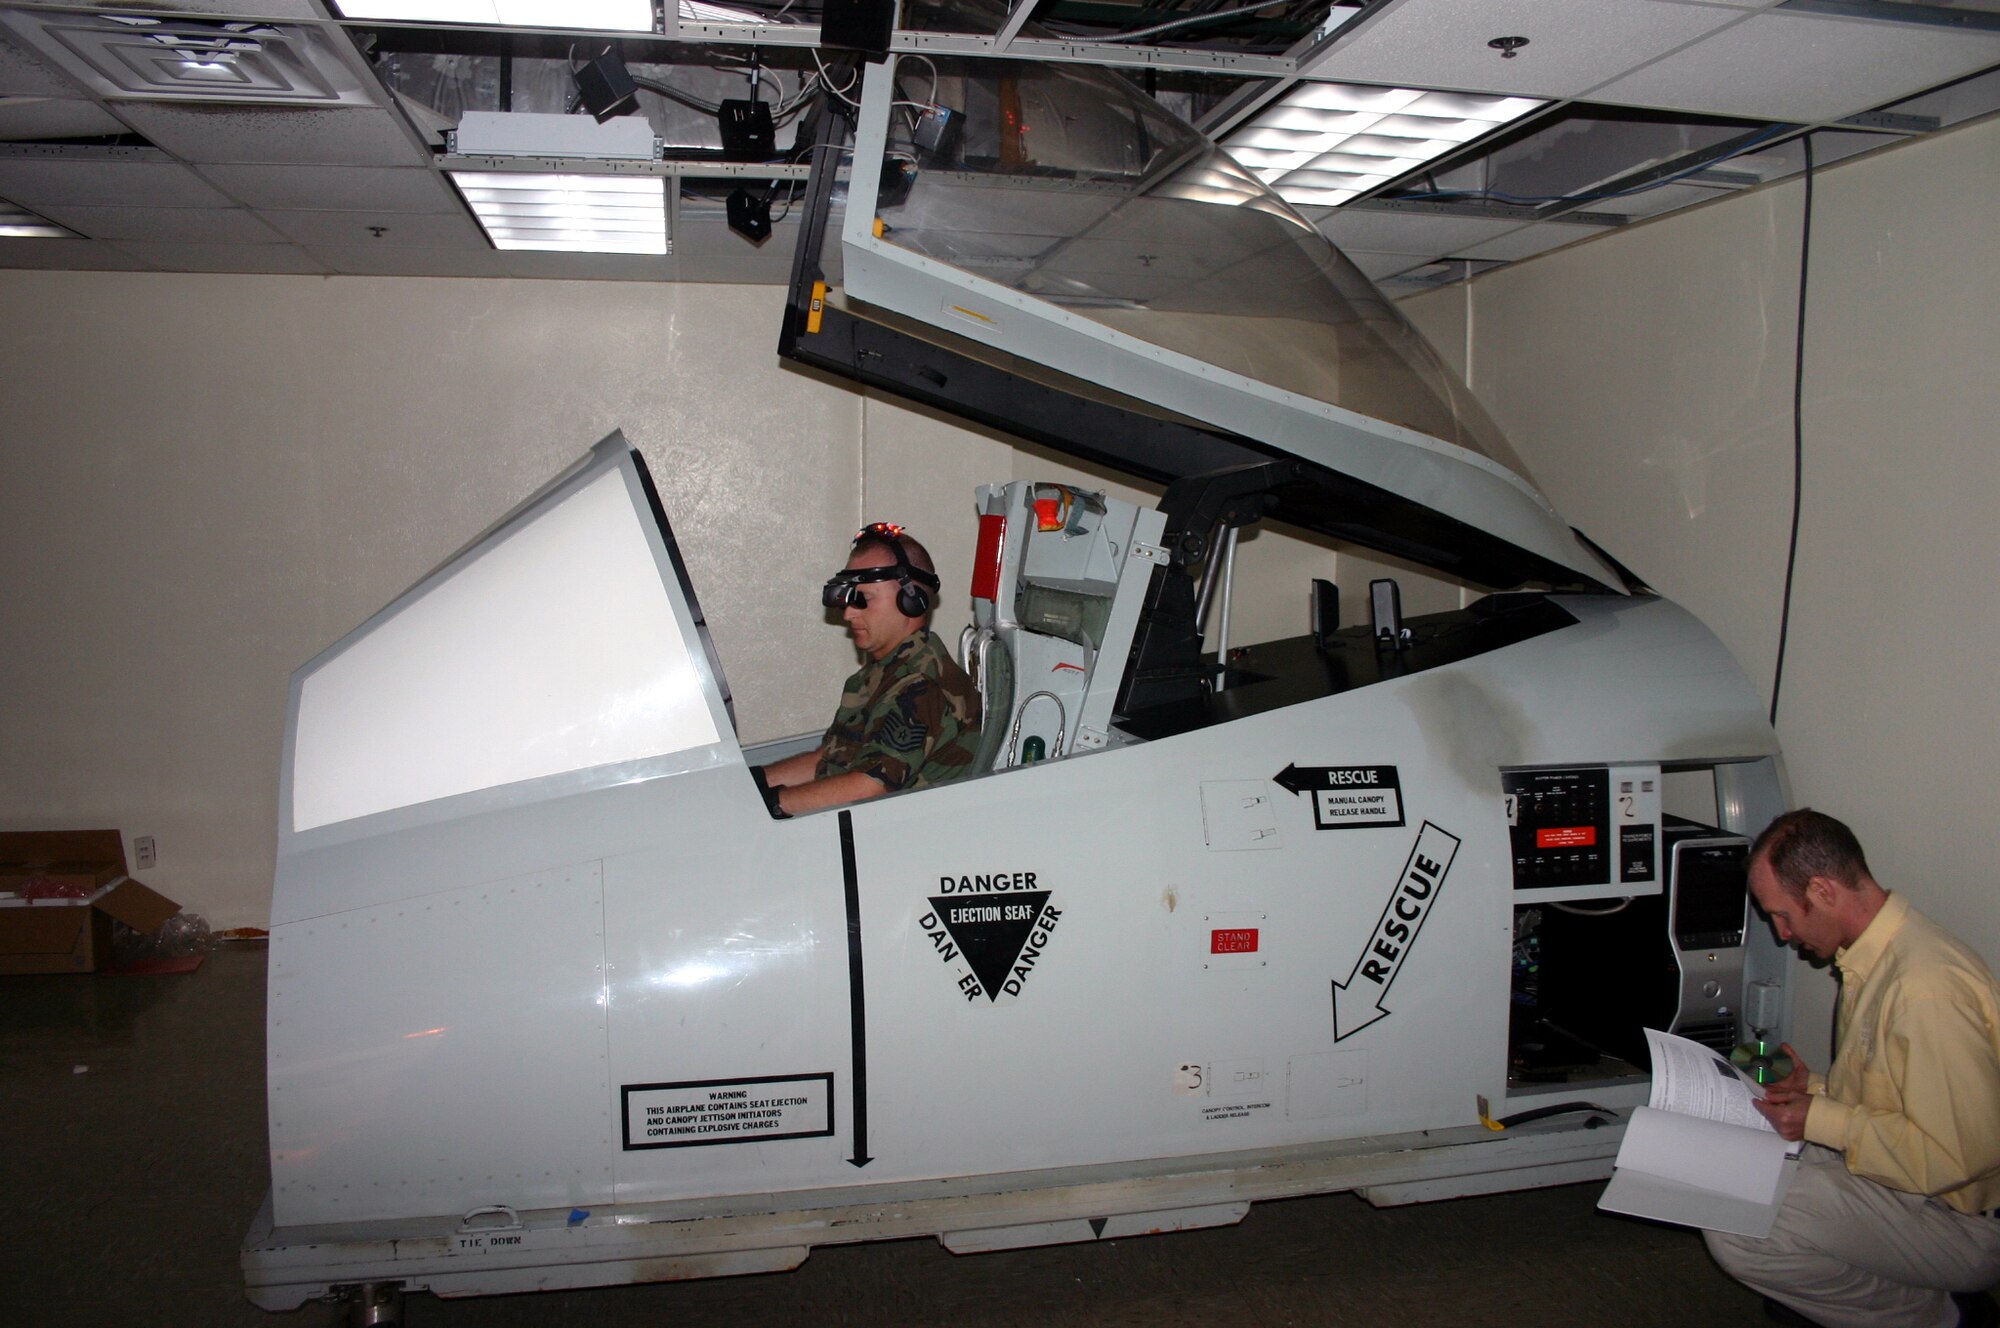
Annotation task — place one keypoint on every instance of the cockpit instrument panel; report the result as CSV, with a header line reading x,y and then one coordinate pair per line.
x,y
1584,830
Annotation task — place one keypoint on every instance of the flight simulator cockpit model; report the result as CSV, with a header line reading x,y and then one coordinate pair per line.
x,y
555,1002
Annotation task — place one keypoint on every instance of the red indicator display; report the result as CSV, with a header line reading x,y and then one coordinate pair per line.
x,y
1567,836
986,558
1233,940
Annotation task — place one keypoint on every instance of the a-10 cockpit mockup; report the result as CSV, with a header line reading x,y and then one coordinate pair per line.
x,y
554,1001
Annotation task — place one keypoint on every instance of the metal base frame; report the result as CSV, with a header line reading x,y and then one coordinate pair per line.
x,y
555,1249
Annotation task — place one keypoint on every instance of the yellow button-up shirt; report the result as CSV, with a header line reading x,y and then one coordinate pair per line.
x,y
1913,1097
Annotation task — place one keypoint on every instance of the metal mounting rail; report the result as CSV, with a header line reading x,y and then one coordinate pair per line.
x,y
554,1248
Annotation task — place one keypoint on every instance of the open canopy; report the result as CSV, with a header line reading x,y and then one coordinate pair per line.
x,y
1014,226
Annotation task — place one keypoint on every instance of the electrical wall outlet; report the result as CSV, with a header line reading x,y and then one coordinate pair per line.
x,y
145,853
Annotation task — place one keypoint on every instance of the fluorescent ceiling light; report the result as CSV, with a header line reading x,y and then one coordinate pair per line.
x,y
693,11
595,15
595,214
18,224
1325,143
1222,181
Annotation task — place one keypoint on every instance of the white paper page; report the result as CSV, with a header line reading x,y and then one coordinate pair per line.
x,y
1691,1079
1705,1154
1640,1195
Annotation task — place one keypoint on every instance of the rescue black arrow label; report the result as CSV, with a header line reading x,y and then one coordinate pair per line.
x,y
1347,797
1357,1002
999,937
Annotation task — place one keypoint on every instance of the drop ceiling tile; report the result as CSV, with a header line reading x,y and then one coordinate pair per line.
x,y
66,256
1804,68
287,135
371,260
222,257
400,230
1532,240
1424,235
336,188
1377,267
1572,44
39,119
38,181
26,75
170,225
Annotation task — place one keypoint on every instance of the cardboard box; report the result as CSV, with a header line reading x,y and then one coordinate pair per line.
x,y
70,935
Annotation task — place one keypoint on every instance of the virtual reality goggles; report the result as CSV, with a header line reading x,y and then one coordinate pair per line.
x,y
843,589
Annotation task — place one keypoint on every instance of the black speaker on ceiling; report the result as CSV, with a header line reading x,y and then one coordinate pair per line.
x,y
858,25
606,86
750,214
748,133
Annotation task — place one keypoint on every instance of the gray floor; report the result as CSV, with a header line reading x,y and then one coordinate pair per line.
x,y
132,1114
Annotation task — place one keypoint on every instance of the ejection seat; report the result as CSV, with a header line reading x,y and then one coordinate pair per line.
x,y
1057,584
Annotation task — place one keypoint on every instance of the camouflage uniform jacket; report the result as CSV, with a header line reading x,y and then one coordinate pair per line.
x,y
910,719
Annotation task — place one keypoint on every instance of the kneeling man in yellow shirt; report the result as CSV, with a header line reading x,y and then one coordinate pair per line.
x,y
1893,1217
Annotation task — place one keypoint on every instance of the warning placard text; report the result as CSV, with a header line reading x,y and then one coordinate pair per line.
x,y
728,1111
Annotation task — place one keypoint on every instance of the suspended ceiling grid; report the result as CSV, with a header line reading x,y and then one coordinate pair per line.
x,y
352,185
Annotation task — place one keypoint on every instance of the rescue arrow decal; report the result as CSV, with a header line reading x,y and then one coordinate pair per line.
x,y
1357,1002
857,1005
1346,797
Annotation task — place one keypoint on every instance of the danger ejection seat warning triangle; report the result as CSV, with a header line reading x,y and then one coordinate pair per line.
x,y
990,930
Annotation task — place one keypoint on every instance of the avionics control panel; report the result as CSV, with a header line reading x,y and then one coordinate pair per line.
x,y
1583,832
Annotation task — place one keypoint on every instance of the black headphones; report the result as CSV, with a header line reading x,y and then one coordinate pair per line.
x,y
913,584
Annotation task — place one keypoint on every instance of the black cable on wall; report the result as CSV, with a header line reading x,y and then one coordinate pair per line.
x,y
1798,430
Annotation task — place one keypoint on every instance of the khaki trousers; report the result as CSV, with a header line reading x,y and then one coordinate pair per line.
x,y
1847,1251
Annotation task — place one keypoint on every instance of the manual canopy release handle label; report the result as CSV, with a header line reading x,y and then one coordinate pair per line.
x,y
1347,797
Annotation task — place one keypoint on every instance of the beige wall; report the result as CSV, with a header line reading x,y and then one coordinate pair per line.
x,y
205,480
209,479
1646,377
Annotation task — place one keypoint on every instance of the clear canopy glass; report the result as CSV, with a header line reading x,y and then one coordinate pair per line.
x,y
1067,183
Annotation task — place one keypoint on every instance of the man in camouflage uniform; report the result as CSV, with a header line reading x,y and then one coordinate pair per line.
x,y
910,717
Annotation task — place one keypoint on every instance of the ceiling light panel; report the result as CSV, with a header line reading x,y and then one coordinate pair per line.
x,y
20,224
192,59
610,214
595,15
1325,143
